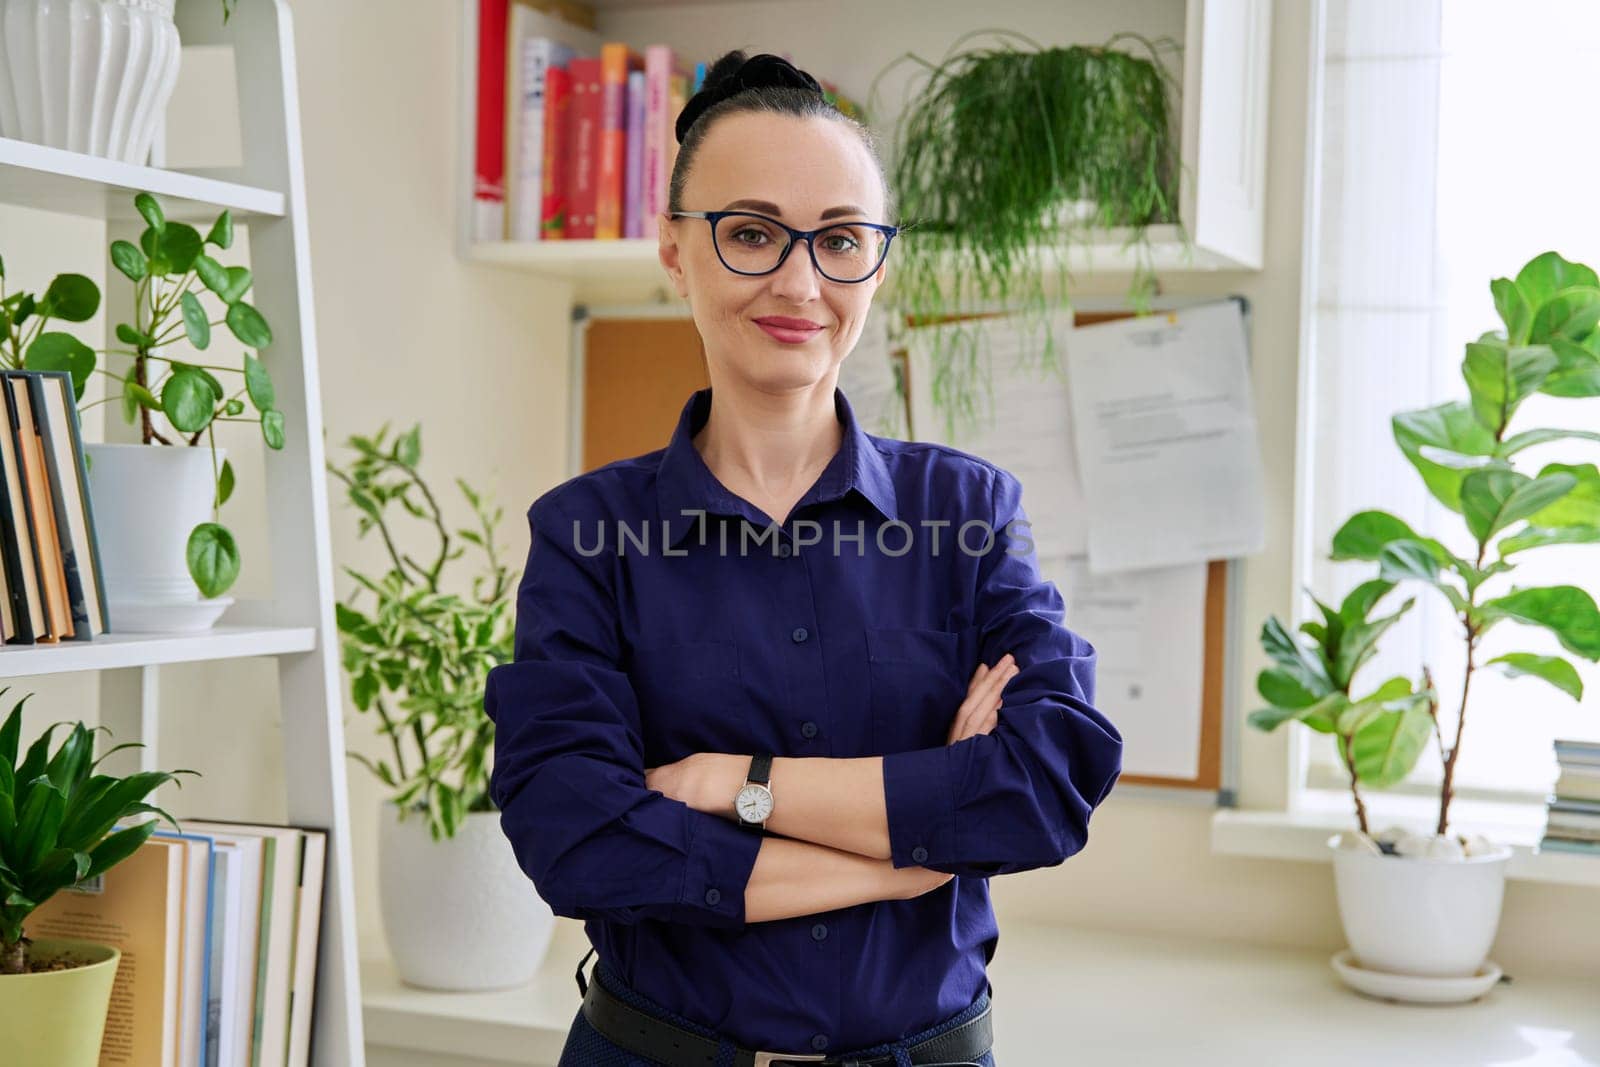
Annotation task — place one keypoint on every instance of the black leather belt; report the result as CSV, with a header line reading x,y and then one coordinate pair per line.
x,y
645,1035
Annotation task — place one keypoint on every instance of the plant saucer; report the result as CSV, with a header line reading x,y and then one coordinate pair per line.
x,y
1415,988
134,616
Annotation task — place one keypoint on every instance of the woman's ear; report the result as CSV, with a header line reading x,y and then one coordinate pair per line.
x,y
670,253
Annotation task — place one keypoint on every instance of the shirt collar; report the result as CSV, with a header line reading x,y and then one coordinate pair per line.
x,y
685,484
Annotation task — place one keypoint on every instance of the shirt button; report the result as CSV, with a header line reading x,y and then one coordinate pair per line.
x,y
713,897
819,932
784,549
800,634
819,1042
919,854
808,729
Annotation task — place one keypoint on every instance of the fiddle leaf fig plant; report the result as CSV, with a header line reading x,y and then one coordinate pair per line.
x,y
1468,458
164,267
58,823
419,655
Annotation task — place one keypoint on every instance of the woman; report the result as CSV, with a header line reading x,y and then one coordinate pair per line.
x,y
739,738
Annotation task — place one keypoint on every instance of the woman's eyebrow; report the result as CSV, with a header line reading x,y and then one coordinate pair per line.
x,y
769,208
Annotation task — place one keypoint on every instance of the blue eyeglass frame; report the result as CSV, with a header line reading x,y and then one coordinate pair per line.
x,y
713,217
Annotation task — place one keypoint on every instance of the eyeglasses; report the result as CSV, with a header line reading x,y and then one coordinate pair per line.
x,y
752,244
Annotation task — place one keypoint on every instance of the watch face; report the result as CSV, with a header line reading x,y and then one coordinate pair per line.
x,y
754,803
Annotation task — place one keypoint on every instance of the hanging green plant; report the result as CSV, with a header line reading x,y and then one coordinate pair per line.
x,y
1004,159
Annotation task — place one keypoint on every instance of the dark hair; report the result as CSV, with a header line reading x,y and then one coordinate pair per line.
x,y
764,82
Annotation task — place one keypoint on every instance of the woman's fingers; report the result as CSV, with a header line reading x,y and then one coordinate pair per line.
x,y
979,712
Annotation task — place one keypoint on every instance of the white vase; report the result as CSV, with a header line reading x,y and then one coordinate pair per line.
x,y
89,76
147,499
1419,916
458,913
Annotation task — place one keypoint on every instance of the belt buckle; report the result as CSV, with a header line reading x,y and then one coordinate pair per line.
x,y
767,1059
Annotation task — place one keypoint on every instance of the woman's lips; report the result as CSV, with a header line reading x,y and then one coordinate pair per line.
x,y
787,334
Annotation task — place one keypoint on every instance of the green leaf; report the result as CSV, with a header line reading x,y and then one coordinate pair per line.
x,y
225,483
178,245
129,336
118,847
1513,307
1547,274
211,273
150,210
1540,536
1553,669
258,384
248,325
1443,443
272,428
1359,643
1577,372
1571,313
239,280
71,297
1528,438
127,258
1491,500
1364,535
1300,664
1360,601
195,322
38,823
233,407
62,351
408,446
1564,610
364,689
213,558
1581,506
1284,690
221,233
1501,377
188,400
1385,747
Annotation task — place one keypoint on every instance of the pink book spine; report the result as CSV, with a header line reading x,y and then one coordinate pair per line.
x,y
658,122
633,153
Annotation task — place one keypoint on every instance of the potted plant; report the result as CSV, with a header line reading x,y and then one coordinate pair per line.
x,y
1429,903
57,819
89,77
417,658
157,508
1006,157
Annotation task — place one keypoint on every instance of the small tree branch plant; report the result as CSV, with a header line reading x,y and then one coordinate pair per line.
x,y
1004,158
163,268
419,656
1466,456
58,823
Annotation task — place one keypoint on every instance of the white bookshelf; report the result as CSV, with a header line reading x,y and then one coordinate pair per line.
x,y
1222,128
296,627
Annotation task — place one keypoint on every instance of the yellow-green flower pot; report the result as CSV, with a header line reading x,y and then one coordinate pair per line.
x,y
57,1018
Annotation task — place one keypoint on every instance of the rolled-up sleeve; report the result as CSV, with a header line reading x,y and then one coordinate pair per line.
x,y
1020,796
568,773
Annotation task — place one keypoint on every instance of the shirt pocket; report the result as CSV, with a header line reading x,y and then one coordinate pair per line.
x,y
689,697
918,679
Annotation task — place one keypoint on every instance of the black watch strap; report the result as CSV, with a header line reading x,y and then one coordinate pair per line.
x,y
761,769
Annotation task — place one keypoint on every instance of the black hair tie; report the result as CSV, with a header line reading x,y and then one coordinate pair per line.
x,y
757,72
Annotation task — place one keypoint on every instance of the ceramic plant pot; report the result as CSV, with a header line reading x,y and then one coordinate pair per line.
x,y
58,1017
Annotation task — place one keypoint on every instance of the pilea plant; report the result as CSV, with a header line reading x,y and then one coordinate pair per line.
x,y
164,267
418,657
1467,458
1005,158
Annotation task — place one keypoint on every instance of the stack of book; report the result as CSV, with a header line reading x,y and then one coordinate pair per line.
x,y
218,927
575,134
1572,823
51,588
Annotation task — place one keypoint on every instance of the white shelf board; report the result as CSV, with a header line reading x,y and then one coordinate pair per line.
x,y
71,183
113,650
633,261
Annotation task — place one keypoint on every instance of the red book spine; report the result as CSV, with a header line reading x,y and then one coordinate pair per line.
x,y
615,62
557,104
584,142
489,154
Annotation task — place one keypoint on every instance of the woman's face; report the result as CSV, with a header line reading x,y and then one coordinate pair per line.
x,y
800,167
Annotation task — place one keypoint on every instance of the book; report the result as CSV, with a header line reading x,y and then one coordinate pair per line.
x,y
44,397
226,943
239,1023
536,41
137,906
1576,785
617,60
583,144
195,954
307,936
488,176
64,441
14,551
659,68
19,524
557,129
41,508
633,158
1557,844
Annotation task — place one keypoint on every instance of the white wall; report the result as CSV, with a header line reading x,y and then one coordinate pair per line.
x,y
407,332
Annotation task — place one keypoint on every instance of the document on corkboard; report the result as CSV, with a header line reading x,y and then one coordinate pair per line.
x,y
136,906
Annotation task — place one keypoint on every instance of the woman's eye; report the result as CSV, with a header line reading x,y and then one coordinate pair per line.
x,y
742,234
848,245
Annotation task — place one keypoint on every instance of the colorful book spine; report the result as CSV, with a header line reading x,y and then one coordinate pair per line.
x,y
616,61
557,129
658,121
584,143
525,190
489,160
633,170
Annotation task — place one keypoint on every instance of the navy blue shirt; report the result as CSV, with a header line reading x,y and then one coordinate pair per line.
x,y
661,615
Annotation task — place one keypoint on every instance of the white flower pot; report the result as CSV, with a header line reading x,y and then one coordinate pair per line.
x,y
147,499
89,76
1415,915
458,913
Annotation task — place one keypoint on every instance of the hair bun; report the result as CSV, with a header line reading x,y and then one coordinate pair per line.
x,y
757,72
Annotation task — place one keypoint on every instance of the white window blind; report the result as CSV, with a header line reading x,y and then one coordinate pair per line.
x,y
1450,153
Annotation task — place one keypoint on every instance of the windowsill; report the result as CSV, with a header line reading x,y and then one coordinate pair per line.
x,y
1303,834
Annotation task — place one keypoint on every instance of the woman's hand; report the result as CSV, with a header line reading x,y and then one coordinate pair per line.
x,y
706,781
980,712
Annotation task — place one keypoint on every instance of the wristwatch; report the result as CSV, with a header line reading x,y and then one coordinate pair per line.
x,y
753,804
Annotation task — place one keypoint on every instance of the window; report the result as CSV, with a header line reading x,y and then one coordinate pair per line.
x,y
1447,154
